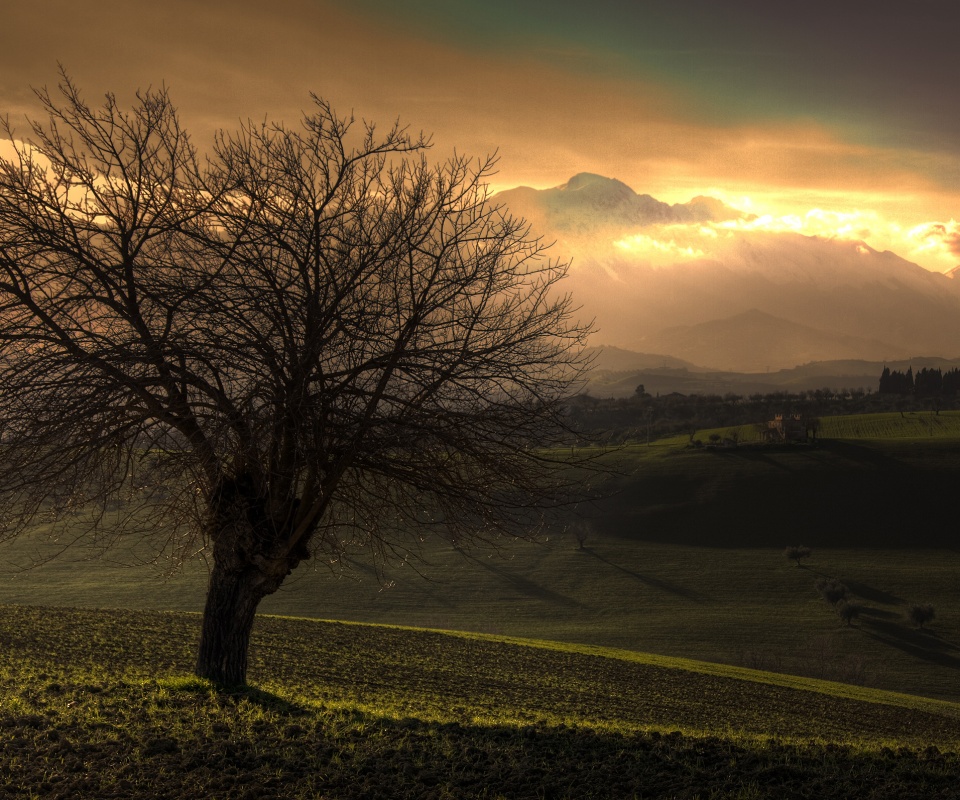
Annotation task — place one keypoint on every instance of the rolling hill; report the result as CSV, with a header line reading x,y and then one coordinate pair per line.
x,y
743,343
617,373
683,557
351,711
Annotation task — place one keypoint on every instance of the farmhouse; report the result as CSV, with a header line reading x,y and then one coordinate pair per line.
x,y
782,428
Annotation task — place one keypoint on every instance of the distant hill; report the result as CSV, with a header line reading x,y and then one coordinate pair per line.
x,y
609,358
752,341
654,275
617,373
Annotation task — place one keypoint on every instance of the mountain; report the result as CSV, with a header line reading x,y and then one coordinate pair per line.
x,y
616,359
653,275
752,341
588,203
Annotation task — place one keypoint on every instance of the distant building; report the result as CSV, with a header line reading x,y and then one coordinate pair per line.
x,y
792,428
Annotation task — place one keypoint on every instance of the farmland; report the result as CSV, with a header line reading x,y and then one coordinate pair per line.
x,y
348,711
683,558
914,426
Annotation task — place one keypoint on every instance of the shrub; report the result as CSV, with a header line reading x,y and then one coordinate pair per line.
x,y
581,532
831,590
797,552
848,612
920,614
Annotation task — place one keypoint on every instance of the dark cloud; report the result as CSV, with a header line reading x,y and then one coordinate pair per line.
x,y
884,69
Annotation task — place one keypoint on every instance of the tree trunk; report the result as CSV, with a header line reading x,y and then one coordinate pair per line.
x,y
232,600
248,564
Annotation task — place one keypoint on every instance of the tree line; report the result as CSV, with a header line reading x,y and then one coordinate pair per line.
x,y
643,416
925,383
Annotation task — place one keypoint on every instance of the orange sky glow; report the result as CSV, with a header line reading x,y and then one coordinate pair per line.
x,y
675,115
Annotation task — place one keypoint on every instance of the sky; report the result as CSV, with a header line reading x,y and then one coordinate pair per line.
x,y
836,118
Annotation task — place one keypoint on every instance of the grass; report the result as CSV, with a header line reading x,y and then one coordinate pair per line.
x,y
908,425
684,559
681,586
346,710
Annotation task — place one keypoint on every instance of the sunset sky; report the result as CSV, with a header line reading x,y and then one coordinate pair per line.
x,y
830,118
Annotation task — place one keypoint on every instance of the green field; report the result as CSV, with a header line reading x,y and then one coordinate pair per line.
x,y
355,711
918,426
684,558
682,571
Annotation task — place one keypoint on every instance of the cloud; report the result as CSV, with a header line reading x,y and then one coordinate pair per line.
x,y
934,245
549,117
856,225
658,251
938,238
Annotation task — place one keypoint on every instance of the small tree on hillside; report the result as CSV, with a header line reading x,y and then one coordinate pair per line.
x,y
581,533
831,590
797,553
310,342
920,614
847,611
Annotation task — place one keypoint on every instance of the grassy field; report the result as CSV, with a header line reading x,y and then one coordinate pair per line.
x,y
684,558
350,711
916,426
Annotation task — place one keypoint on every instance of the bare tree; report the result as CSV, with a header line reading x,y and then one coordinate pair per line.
x,y
848,612
920,614
311,340
831,590
581,530
797,553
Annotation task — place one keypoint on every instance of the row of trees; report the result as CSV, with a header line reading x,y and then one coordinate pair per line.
x,y
925,383
643,415
837,595
309,340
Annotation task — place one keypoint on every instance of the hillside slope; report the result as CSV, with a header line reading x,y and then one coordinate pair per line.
x,y
683,558
100,704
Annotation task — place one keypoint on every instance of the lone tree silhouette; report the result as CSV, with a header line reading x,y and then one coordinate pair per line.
x,y
920,614
797,553
831,590
308,341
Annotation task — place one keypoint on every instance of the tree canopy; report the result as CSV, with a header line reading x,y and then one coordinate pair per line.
x,y
308,339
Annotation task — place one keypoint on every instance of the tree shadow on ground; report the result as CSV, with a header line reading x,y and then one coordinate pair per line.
x,y
268,701
874,595
879,613
525,585
923,644
655,583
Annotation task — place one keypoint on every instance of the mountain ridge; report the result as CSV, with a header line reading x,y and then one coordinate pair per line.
x,y
617,372
644,269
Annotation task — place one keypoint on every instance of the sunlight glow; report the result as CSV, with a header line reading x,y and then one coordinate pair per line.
x,y
932,245
656,249
938,238
854,225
